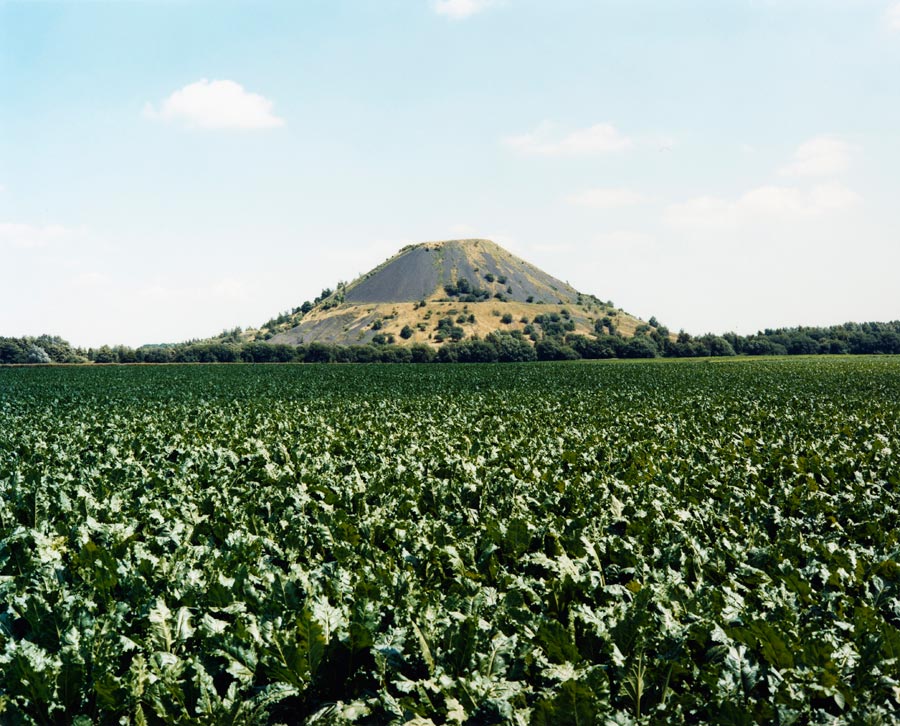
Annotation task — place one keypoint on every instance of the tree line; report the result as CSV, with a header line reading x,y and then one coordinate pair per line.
x,y
549,341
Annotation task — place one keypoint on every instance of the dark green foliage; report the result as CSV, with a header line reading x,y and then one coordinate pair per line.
x,y
553,349
318,353
639,347
267,353
499,346
466,291
474,351
42,349
631,542
551,324
36,354
855,338
718,346
447,330
865,338
600,346
421,353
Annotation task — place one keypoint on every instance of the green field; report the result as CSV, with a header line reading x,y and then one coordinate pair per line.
x,y
647,542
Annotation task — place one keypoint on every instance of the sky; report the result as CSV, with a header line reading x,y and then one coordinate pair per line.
x,y
173,168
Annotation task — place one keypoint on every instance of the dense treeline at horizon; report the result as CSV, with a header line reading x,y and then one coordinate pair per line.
x,y
551,341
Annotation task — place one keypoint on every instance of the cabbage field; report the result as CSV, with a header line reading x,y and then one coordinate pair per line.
x,y
560,543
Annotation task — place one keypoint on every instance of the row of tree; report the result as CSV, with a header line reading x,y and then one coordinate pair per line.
x,y
553,342
43,349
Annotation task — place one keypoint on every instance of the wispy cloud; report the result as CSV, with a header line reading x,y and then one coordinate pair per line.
x,y
761,204
820,156
606,198
892,17
216,105
544,140
31,236
460,9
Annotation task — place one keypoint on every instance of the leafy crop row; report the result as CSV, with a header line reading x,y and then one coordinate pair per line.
x,y
544,544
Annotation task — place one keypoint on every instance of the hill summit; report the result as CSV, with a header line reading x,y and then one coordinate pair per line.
x,y
423,271
434,292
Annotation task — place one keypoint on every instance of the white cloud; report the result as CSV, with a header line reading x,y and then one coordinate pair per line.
x,y
543,141
761,204
606,198
90,279
892,17
460,9
820,156
833,197
31,236
216,105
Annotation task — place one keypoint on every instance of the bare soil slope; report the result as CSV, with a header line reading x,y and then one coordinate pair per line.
x,y
420,272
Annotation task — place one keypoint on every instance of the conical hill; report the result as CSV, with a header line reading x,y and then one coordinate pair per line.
x,y
433,292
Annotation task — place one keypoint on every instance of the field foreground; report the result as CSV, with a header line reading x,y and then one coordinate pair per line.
x,y
544,543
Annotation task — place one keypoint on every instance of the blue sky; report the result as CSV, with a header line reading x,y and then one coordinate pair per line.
x,y
172,168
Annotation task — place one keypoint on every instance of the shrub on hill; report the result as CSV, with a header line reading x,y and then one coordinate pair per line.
x,y
466,291
447,329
